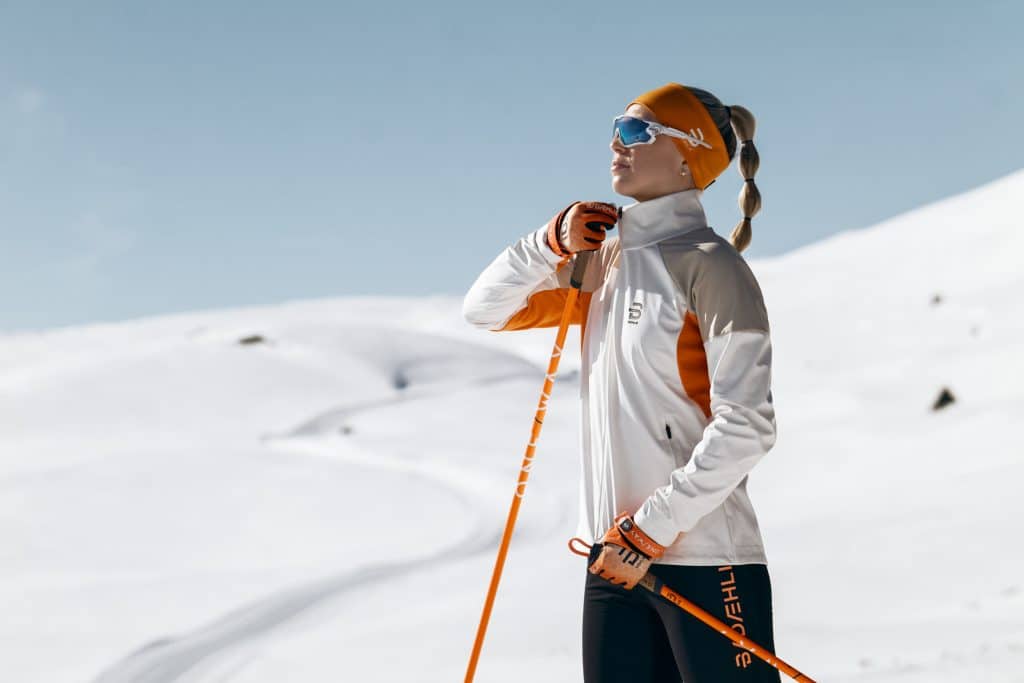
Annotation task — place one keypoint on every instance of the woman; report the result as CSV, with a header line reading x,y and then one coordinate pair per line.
x,y
675,386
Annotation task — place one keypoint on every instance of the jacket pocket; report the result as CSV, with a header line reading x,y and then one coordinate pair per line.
x,y
674,443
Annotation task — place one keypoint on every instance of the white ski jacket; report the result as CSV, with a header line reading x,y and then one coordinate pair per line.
x,y
676,375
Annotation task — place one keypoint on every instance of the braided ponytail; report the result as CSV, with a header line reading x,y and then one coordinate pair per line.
x,y
744,123
736,123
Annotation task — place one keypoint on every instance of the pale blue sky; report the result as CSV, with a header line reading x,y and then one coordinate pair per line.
x,y
161,157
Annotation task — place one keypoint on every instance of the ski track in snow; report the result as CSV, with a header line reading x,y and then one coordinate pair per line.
x,y
215,651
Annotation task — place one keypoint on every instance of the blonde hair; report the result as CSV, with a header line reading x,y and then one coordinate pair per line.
x,y
735,122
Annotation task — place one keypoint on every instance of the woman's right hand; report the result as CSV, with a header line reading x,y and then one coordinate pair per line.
x,y
581,226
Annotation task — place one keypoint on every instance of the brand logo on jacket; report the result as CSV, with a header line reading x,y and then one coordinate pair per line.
x,y
635,309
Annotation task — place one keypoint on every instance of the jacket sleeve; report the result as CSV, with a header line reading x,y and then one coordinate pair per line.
x,y
728,304
525,286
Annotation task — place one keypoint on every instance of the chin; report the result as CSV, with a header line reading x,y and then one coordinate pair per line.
x,y
622,186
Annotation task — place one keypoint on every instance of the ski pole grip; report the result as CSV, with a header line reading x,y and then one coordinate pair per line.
x,y
580,262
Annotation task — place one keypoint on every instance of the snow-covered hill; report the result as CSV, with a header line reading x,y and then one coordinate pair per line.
x,y
324,502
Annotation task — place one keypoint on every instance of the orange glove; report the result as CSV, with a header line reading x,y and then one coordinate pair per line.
x,y
626,553
581,226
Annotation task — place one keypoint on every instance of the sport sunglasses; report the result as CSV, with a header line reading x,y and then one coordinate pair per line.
x,y
633,131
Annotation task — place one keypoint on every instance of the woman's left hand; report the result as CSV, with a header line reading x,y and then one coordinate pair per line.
x,y
626,553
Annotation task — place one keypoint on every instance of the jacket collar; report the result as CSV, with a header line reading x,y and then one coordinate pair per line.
x,y
653,220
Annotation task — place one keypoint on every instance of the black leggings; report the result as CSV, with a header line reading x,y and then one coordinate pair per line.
x,y
634,636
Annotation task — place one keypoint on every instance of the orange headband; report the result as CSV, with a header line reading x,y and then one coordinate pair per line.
x,y
675,106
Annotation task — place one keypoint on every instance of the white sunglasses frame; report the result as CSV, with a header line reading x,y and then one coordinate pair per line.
x,y
655,130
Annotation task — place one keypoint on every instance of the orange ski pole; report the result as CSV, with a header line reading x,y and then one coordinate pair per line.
x,y
576,281
658,587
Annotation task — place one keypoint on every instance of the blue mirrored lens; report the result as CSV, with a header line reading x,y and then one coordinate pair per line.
x,y
631,130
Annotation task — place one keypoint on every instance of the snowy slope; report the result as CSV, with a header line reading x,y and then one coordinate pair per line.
x,y
326,505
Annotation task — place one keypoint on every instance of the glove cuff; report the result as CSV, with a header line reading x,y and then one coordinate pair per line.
x,y
635,538
554,227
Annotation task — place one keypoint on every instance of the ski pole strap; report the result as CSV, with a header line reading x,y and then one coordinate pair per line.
x,y
581,542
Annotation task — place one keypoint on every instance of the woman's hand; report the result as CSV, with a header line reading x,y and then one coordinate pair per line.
x,y
581,226
626,553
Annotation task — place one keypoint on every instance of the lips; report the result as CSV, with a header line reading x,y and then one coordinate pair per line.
x,y
619,166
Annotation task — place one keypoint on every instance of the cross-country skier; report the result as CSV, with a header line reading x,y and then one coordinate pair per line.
x,y
675,387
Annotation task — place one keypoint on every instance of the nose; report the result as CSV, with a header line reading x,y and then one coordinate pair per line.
x,y
616,144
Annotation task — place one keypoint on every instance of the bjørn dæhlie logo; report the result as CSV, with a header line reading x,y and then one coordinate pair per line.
x,y
699,135
635,309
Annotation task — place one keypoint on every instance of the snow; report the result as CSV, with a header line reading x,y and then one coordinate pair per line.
x,y
326,505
